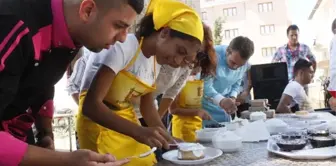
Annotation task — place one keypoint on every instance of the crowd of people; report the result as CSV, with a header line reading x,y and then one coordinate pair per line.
x,y
116,78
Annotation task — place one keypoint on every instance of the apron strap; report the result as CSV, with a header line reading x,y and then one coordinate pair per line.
x,y
136,56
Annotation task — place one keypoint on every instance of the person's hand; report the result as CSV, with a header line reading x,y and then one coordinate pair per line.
x,y
229,105
89,158
154,137
46,142
242,97
237,103
204,115
332,103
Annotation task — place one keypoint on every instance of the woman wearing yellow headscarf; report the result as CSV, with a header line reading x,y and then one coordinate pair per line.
x,y
107,122
187,108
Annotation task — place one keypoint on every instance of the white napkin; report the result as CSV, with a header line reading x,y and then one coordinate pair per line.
x,y
332,126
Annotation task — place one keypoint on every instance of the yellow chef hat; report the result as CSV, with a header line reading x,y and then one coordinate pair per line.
x,y
177,16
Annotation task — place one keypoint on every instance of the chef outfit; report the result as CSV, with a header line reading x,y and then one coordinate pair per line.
x,y
131,81
185,127
35,51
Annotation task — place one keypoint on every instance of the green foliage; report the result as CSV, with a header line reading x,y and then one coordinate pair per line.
x,y
218,30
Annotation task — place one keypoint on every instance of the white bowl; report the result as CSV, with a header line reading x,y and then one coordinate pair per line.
x,y
255,116
205,135
232,126
227,144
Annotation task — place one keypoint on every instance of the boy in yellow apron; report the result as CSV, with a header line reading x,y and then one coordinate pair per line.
x,y
188,113
107,122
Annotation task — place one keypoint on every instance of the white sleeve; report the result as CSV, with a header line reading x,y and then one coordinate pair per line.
x,y
332,66
291,90
119,55
173,91
76,77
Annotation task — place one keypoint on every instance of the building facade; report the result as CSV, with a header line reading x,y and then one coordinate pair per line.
x,y
263,21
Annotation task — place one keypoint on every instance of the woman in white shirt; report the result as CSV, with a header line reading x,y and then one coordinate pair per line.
x,y
106,121
171,80
187,108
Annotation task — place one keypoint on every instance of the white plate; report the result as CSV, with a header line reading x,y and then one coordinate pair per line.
x,y
210,154
305,154
206,134
308,116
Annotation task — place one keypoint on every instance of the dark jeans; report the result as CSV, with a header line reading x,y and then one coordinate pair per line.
x,y
77,142
31,137
241,108
295,108
158,152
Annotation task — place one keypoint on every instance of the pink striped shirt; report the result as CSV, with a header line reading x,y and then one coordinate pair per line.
x,y
12,150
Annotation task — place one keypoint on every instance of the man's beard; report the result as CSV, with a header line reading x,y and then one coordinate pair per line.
x,y
95,50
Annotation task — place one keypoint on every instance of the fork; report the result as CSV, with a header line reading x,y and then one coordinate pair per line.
x,y
143,155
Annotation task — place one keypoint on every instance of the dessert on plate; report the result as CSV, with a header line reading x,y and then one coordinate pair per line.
x,y
301,113
322,141
314,133
287,144
190,151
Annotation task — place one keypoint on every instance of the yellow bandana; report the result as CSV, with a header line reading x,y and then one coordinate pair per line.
x,y
177,16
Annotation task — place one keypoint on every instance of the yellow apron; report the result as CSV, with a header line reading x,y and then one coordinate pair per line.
x,y
92,136
184,127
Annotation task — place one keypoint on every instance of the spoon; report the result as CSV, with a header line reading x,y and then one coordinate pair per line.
x,y
236,116
145,154
215,121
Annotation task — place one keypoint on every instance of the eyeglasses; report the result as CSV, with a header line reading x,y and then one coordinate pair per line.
x,y
200,56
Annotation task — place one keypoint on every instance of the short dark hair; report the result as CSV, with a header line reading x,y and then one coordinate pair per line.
x,y
292,28
333,27
137,5
146,28
243,45
302,64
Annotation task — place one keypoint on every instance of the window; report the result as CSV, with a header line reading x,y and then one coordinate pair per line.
x,y
265,7
230,12
204,15
231,33
268,51
267,29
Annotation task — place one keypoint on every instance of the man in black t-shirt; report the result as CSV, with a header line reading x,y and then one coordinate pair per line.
x,y
38,40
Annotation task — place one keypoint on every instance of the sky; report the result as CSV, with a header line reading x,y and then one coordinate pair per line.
x,y
299,11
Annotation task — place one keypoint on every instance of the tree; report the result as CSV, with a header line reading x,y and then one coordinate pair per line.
x,y
218,30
